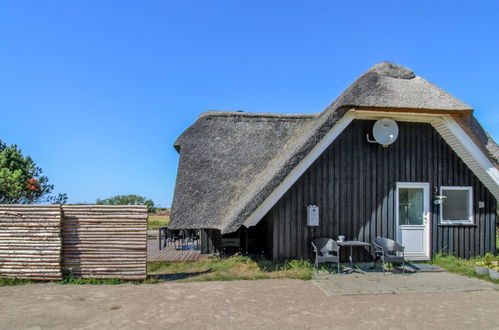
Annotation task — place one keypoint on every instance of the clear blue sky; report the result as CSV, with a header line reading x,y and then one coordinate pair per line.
x,y
97,91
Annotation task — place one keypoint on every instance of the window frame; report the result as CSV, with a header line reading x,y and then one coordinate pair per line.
x,y
470,219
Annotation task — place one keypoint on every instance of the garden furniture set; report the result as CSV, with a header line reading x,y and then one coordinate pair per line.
x,y
182,239
327,250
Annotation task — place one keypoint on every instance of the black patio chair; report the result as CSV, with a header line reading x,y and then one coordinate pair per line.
x,y
387,250
322,247
169,237
196,236
189,236
177,237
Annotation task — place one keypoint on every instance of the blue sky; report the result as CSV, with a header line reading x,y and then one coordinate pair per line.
x,y
97,91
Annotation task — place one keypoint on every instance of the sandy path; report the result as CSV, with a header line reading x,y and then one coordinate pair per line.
x,y
265,304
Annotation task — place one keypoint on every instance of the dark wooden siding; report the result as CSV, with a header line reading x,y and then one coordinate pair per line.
x,y
210,241
354,184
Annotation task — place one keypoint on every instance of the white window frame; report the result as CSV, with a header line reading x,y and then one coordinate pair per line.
x,y
470,219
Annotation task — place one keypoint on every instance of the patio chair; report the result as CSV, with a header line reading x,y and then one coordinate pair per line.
x,y
387,251
177,236
196,237
191,236
169,237
322,247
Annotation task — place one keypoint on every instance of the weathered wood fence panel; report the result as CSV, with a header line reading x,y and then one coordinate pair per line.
x,y
43,242
30,241
104,241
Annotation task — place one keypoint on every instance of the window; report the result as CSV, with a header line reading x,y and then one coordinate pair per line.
x,y
458,205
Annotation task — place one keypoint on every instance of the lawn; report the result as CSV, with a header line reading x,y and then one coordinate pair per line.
x,y
208,269
232,268
460,266
156,221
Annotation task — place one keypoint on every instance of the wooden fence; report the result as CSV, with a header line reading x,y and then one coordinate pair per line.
x,y
30,241
104,241
87,241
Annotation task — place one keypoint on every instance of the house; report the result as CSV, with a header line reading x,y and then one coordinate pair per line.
x,y
394,156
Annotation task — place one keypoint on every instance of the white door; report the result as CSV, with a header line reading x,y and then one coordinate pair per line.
x,y
413,219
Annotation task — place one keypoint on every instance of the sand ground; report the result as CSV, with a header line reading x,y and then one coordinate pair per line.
x,y
264,304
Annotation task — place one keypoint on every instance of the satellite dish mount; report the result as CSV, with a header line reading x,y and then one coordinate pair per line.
x,y
385,132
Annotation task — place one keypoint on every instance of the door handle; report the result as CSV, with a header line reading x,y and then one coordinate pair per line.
x,y
426,217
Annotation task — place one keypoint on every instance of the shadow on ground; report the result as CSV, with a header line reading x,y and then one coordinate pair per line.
x,y
179,276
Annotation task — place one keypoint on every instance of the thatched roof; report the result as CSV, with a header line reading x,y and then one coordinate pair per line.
x,y
387,85
230,162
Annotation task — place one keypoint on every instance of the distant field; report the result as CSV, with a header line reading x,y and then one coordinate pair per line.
x,y
156,221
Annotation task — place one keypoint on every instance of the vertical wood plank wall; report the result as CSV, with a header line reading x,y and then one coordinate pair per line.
x,y
354,184
30,241
211,241
101,241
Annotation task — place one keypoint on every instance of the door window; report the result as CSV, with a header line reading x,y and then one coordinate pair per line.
x,y
411,206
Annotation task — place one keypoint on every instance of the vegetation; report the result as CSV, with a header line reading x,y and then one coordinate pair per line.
x,y
461,266
156,221
59,199
4,281
236,267
21,181
127,200
70,279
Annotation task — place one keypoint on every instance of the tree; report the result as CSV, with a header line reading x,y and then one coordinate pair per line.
x,y
59,199
127,200
21,181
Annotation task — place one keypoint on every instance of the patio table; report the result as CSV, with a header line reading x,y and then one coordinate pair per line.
x,y
351,244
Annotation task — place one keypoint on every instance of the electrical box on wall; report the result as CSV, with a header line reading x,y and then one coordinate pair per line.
x,y
312,215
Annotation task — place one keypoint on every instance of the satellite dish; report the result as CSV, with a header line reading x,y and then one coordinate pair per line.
x,y
385,131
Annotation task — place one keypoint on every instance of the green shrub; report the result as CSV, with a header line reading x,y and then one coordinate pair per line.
x,y
5,281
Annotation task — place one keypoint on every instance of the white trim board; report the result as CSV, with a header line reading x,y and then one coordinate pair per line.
x,y
445,125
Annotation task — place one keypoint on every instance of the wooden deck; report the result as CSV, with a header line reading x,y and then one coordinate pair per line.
x,y
170,253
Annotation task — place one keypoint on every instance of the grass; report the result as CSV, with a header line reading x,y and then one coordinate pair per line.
x,y
4,281
209,269
460,266
227,269
156,221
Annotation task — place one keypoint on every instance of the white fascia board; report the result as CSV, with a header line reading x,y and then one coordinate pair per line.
x,y
297,172
469,153
472,148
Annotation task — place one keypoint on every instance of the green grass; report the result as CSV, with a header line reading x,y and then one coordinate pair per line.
x,y
156,221
4,281
460,266
228,269
209,269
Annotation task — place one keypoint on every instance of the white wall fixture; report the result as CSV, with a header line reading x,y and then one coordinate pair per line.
x,y
312,215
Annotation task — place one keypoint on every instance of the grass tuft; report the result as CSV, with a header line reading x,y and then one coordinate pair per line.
x,y
5,281
236,267
460,266
70,279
